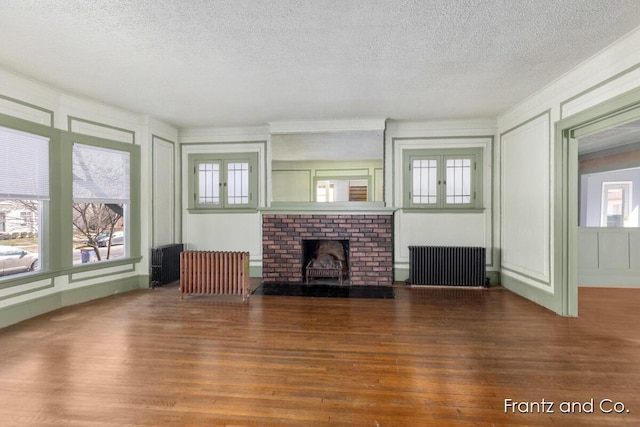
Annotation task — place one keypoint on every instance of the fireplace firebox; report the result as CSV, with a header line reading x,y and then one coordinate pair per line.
x,y
326,260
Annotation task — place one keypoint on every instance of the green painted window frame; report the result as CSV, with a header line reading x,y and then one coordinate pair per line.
x,y
132,215
440,156
56,222
223,159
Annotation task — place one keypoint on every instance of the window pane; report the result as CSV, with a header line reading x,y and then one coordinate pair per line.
x,y
98,232
24,189
458,181
100,175
237,183
616,202
209,184
20,236
425,181
101,191
24,165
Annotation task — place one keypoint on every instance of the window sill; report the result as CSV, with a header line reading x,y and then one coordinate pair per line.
x,y
443,210
222,211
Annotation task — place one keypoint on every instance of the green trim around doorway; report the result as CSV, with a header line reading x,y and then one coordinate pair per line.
x,y
618,110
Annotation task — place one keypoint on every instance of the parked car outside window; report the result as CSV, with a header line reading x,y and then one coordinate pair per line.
x,y
116,239
16,260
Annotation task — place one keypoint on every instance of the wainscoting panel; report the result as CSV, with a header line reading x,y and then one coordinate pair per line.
x,y
609,257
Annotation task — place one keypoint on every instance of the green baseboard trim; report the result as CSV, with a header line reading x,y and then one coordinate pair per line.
x,y
22,311
255,272
145,281
402,275
494,277
26,310
548,300
608,280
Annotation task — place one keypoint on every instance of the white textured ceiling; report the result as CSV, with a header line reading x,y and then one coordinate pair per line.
x,y
200,63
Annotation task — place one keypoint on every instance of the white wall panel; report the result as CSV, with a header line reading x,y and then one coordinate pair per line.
x,y
437,229
163,194
224,232
525,199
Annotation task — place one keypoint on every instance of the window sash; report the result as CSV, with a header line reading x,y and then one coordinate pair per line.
x,y
220,183
24,165
459,177
209,183
237,183
100,175
447,180
425,182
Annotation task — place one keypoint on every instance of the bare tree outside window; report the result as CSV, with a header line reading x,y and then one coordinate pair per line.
x,y
100,193
95,220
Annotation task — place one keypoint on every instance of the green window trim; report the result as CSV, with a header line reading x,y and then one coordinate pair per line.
x,y
56,228
443,180
223,182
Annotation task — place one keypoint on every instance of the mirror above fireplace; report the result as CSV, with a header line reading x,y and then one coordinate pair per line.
x,y
328,162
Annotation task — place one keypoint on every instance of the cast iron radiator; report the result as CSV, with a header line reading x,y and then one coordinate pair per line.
x,y
165,264
447,265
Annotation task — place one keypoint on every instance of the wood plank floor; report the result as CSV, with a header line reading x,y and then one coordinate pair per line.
x,y
429,357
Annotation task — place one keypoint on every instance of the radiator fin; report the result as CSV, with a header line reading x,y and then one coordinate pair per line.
x,y
214,272
447,266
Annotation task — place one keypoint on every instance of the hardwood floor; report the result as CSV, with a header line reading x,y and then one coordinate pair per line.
x,y
429,357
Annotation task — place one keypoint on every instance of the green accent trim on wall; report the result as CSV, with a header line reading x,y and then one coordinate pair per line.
x,y
29,291
528,276
327,208
35,107
25,310
620,118
494,277
566,196
545,299
441,210
255,271
596,86
71,119
99,266
401,274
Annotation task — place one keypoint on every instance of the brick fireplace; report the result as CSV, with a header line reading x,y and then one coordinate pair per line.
x,y
369,245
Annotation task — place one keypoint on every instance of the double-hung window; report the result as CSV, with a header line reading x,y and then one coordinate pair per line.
x,y
101,199
443,179
24,191
223,181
